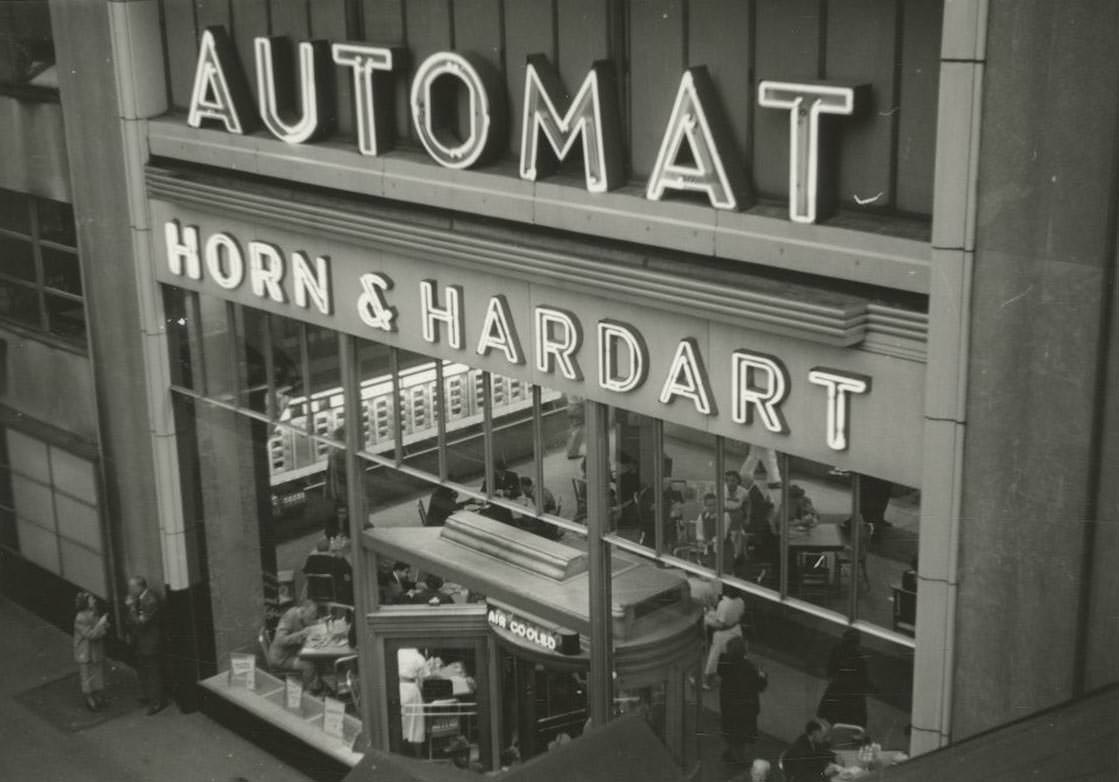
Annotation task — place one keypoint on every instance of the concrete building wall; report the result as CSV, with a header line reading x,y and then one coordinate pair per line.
x,y
88,89
1044,258
51,384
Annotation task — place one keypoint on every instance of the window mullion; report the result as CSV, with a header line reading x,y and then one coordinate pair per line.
x,y
856,545
37,256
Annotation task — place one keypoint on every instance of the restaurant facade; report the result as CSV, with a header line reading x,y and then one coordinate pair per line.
x,y
571,264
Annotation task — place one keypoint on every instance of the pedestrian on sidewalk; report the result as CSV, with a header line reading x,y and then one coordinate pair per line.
x,y
145,625
724,624
90,627
740,688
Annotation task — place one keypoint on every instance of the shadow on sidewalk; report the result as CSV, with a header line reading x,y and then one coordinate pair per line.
x,y
710,746
60,701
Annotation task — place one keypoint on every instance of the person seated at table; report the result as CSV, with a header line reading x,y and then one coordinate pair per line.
x,y
801,509
429,591
810,758
506,483
291,633
528,493
329,561
399,582
528,499
442,503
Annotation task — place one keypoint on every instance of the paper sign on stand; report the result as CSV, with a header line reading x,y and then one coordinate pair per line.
x,y
293,692
333,717
242,669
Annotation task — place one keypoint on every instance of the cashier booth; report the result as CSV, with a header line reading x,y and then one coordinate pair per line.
x,y
506,665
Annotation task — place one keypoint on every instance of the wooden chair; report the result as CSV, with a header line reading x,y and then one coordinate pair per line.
x,y
845,736
813,576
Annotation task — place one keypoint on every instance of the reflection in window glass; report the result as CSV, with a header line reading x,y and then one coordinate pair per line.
x,y
631,468
464,394
558,422
61,270
887,561
26,46
377,416
287,357
19,303
818,534
417,383
40,285
255,360
303,512
56,222
17,258
692,530
66,317
178,324
15,212
218,348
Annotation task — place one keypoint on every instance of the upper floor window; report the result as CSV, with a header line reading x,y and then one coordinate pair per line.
x,y
26,48
40,277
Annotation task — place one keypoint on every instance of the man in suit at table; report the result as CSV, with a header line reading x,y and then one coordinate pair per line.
x,y
294,628
145,620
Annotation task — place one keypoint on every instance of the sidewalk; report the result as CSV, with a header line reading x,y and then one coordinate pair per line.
x,y
47,734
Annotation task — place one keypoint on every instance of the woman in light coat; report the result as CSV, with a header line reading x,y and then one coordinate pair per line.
x,y
90,629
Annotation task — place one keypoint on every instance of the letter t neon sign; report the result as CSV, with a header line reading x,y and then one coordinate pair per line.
x,y
805,103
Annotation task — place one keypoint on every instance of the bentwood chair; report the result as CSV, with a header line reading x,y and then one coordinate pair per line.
x,y
845,736
343,682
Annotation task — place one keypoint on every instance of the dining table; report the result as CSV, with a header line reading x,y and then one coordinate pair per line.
x,y
853,768
328,641
825,536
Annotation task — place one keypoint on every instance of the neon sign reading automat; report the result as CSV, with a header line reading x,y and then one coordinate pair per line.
x,y
695,155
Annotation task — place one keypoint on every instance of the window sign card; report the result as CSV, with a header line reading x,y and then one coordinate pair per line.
x,y
293,692
242,669
333,717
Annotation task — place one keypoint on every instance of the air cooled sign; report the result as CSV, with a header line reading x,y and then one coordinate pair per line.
x,y
530,633
695,154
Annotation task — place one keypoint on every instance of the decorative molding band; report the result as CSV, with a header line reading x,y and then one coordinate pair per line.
x,y
806,313
890,252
